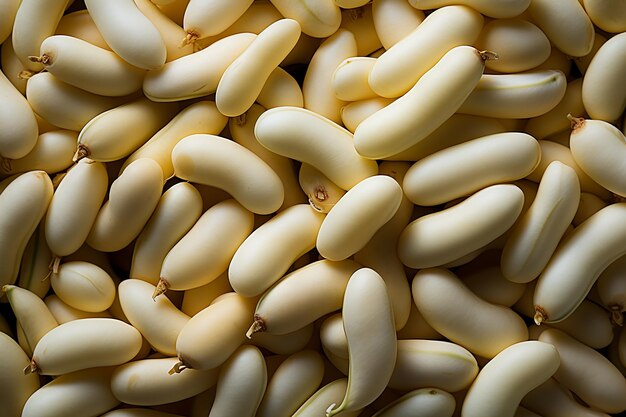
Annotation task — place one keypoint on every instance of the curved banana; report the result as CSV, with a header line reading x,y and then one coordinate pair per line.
x,y
323,194
15,388
394,20
349,80
493,8
16,112
204,19
84,286
612,291
280,89
508,377
52,153
428,402
284,344
317,404
23,204
319,18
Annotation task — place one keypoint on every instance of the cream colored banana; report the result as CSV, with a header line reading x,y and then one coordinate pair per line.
x,y
516,96
394,20
6,21
284,344
218,232
83,392
333,336
552,399
245,77
63,313
203,19
64,105
159,321
399,68
492,8
132,199
85,343
32,314
360,21
367,310
88,67
146,382
178,210
74,206
350,4
323,194
318,18
555,120
302,297
15,388
356,217
612,291
200,117
121,20
35,265
213,334
454,311
241,384
35,21
197,299
349,80
352,114
170,31
317,404
174,9
23,204
242,131
18,140
431,101
535,236
313,139
52,153
479,163
12,67
280,89
197,74
139,412
317,88
489,283
586,372
444,236
84,286
589,205
80,25
434,364
428,402
609,16
582,63
295,380
136,121
573,268
266,255
211,160
507,378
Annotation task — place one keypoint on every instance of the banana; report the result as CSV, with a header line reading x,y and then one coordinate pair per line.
x,y
132,199
349,80
428,402
323,194
318,18
266,255
478,163
607,15
85,392
431,101
317,88
305,136
64,105
35,21
121,20
394,20
35,265
15,388
12,67
63,313
23,204
84,286
280,89
295,380
333,336
244,78
371,359
18,140
197,74
218,232
493,8
573,268
317,403
508,377
197,299
241,384
80,25
444,236
199,117
177,211
74,206
417,328
139,412
210,160
350,4
516,96
356,217
352,114
534,238
146,382
213,334
612,291
174,9
202,19
360,21
399,68
89,67
284,344
52,153
586,372
454,311
552,399
242,130
136,121
432,364
589,205
488,282
8,17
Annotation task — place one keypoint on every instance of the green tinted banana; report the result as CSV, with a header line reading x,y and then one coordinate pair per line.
x,y
428,402
84,286
16,112
15,388
52,153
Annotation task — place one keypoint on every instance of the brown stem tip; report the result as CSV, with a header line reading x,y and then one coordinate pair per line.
x,y
44,59
488,55
241,119
31,368
81,152
177,368
189,39
575,122
616,315
257,326
540,315
161,287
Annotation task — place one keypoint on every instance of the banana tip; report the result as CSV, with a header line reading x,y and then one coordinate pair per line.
x,y
161,287
81,152
31,368
257,326
329,410
575,122
177,368
540,315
